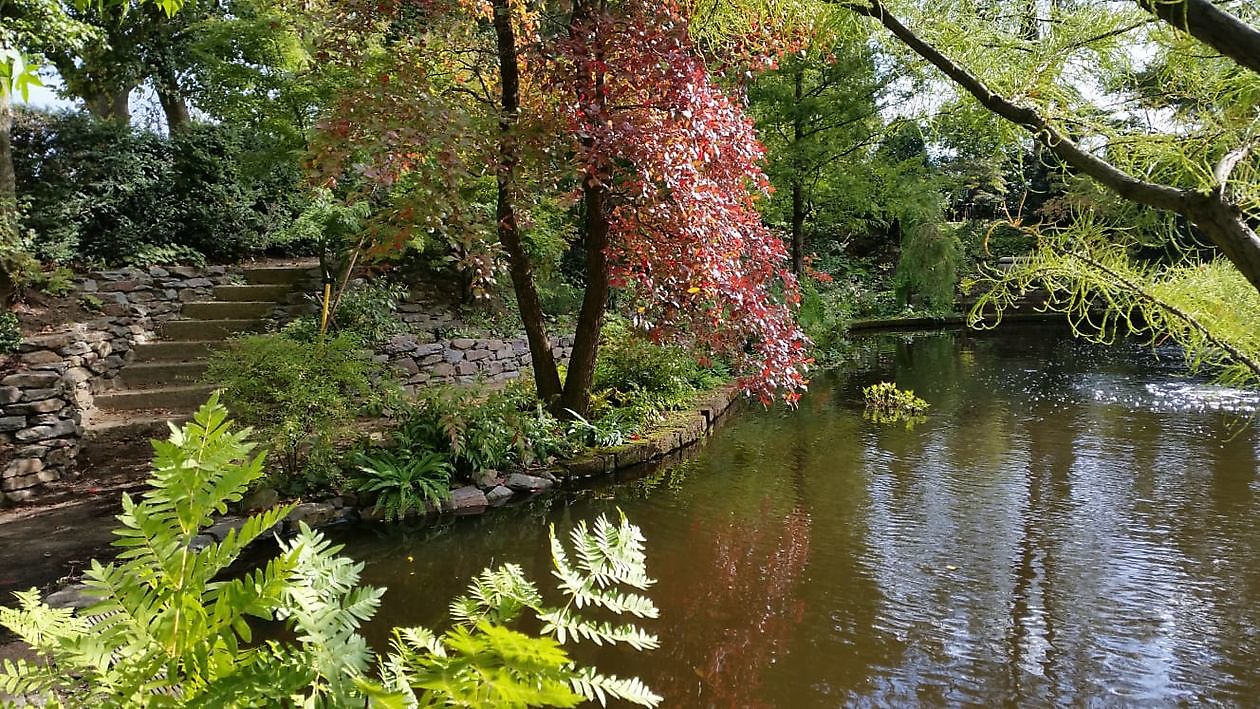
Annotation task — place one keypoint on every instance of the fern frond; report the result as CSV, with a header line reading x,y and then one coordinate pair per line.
x,y
565,624
596,687
497,595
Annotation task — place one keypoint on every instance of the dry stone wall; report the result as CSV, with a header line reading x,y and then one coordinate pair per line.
x,y
47,389
421,360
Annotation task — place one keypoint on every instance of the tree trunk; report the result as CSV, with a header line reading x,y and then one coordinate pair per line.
x,y
581,371
576,398
173,103
8,196
798,188
546,376
111,105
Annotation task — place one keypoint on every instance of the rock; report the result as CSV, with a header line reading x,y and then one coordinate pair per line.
x,y
265,498
40,357
75,596
23,466
120,286
31,380
314,514
79,347
463,343
527,483
45,406
201,541
8,395
466,498
40,394
12,423
498,495
453,356
443,369
486,479
220,529
89,286
184,271
198,283
474,355
400,343
43,433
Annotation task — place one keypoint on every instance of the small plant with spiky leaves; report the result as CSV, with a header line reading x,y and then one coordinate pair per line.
x,y
404,482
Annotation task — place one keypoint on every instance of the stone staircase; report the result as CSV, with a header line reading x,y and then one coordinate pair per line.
x,y
162,382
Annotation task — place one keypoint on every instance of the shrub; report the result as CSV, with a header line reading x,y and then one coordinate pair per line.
x,y
168,631
104,192
298,394
403,481
369,310
931,256
10,333
641,378
885,403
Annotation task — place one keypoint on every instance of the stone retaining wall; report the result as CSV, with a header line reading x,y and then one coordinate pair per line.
x,y
423,363
48,386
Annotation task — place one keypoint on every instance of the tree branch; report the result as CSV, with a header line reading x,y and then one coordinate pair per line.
x,y
1211,25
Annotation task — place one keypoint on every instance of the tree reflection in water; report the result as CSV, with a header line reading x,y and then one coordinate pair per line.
x,y
745,610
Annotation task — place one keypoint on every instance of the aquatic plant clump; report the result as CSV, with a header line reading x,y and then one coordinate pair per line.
x,y
885,403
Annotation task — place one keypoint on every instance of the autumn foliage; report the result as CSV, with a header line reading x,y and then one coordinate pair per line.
x,y
619,111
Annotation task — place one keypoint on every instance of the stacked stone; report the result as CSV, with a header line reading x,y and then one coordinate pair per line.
x,y
423,362
54,377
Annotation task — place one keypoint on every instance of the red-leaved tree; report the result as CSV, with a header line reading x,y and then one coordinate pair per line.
x,y
666,167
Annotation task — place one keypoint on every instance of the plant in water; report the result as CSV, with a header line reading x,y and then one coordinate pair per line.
x,y
404,481
885,403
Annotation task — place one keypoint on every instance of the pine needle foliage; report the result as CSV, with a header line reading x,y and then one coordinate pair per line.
x,y
1208,308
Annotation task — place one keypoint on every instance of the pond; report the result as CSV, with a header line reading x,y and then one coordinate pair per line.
x,y
1071,523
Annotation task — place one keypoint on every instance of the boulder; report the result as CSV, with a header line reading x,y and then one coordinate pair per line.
x,y
466,498
521,482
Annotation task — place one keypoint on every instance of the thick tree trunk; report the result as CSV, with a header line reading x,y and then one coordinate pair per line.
x,y
546,376
111,105
1222,222
798,188
581,371
173,103
595,229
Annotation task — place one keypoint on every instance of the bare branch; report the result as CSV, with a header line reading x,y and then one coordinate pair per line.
x,y
1211,25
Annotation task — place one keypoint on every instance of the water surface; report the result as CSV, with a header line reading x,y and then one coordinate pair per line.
x,y
1071,524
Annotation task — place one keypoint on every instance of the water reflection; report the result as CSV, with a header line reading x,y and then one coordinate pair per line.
x,y
1056,532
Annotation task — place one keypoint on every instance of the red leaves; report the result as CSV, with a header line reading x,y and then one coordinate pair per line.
x,y
682,162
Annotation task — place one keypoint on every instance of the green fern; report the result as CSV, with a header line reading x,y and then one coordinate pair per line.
x,y
482,663
404,482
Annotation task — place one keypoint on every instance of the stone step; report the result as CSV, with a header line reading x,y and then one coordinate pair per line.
x,y
230,310
142,374
175,398
273,293
185,351
287,275
124,427
208,329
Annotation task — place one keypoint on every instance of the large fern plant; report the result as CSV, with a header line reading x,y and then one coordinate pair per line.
x,y
481,662
168,629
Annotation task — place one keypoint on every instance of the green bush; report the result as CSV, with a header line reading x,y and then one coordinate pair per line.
x,y
931,256
642,379
300,395
104,192
369,310
171,628
403,481
10,333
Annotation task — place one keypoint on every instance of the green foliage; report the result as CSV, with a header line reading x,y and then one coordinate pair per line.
x,y
102,192
885,403
482,429
482,662
1208,308
170,628
166,629
636,379
931,255
297,393
10,333
369,309
404,481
